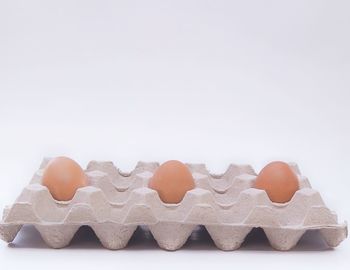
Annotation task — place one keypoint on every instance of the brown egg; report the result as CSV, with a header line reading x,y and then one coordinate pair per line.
x,y
172,180
278,180
63,176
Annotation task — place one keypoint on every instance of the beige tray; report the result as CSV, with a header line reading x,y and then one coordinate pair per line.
x,y
115,203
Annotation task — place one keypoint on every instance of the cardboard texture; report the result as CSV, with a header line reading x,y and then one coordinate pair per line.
x,y
115,203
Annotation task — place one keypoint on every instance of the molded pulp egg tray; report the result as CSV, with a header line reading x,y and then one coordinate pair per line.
x,y
115,203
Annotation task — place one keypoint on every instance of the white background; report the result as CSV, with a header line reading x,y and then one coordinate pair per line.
x,y
199,81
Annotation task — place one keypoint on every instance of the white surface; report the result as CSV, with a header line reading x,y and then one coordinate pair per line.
x,y
200,81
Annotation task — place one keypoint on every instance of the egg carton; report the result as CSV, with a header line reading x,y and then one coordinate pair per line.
x,y
115,203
